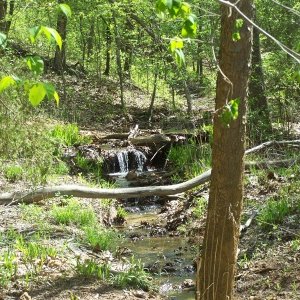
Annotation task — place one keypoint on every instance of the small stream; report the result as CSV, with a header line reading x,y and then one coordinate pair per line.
x,y
169,259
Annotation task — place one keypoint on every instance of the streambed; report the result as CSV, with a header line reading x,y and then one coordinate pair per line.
x,y
167,257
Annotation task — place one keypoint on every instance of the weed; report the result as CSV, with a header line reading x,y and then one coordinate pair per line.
x,y
295,244
190,158
121,215
8,267
73,212
13,172
68,135
32,212
99,238
91,269
274,212
135,276
200,207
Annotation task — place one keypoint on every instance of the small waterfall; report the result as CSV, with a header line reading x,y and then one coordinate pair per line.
x,y
123,161
140,159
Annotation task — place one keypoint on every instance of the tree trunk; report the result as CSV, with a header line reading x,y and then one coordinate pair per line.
x,y
118,59
90,39
59,62
215,275
108,49
188,97
150,111
258,105
6,8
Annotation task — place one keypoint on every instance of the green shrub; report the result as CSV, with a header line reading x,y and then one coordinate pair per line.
x,y
13,172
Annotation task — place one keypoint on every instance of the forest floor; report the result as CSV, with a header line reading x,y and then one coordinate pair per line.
x,y
41,259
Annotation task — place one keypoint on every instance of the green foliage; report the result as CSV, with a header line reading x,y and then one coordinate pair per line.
x,y
238,25
50,33
13,172
74,213
121,213
65,8
91,269
230,112
68,135
32,212
134,276
99,238
200,207
190,159
35,64
274,213
8,267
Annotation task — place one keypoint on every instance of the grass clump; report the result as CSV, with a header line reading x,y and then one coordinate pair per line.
x,y
100,238
190,159
8,267
134,276
274,213
91,269
68,135
74,213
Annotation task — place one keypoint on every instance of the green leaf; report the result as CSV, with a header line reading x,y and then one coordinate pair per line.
x,y
185,9
239,23
179,57
230,111
189,28
176,43
51,32
236,36
3,40
37,93
6,82
65,8
34,32
51,92
35,64
161,6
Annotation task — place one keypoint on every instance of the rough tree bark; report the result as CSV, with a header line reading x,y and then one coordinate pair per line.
x,y
216,269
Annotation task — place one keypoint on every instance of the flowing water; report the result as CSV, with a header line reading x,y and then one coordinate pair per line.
x,y
168,258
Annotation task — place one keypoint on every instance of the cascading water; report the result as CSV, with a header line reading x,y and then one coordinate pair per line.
x,y
140,159
123,161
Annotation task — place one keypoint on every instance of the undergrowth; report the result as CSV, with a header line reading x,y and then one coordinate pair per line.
x,y
190,160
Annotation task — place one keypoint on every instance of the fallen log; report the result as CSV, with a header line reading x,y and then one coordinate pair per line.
x,y
87,192
156,139
123,193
